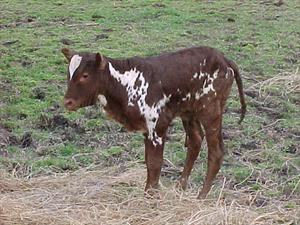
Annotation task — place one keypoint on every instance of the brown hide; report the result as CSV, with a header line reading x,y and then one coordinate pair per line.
x,y
146,94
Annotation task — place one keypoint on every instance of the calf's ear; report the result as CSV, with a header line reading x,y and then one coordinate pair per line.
x,y
100,61
68,53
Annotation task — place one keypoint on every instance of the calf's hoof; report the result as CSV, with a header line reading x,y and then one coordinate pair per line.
x,y
152,193
181,184
202,195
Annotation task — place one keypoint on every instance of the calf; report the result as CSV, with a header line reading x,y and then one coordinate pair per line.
x,y
146,94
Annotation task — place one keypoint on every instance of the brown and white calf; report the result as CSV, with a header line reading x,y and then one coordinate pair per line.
x,y
146,94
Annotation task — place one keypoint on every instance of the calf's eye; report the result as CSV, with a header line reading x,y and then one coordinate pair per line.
x,y
84,77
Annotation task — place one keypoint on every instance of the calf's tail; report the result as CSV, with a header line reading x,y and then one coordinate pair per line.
x,y
239,83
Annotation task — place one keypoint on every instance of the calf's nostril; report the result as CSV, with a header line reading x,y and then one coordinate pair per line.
x,y
69,102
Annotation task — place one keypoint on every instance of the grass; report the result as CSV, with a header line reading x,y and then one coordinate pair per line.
x,y
262,38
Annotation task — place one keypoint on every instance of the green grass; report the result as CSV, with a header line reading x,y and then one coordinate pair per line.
x,y
262,38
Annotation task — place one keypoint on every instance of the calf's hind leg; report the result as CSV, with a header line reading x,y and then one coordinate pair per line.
x,y
194,137
212,126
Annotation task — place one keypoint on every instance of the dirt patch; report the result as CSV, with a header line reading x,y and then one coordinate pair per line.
x,y
97,16
158,5
253,144
270,110
11,42
101,37
104,136
8,139
38,93
66,41
57,121
4,137
279,3
19,22
26,140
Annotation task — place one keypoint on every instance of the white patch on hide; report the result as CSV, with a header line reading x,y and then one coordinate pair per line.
x,y
210,86
138,95
151,114
230,71
102,100
74,64
201,75
187,97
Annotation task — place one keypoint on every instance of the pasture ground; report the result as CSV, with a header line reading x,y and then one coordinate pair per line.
x,y
81,168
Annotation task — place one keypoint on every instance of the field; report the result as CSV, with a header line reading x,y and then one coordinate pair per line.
x,y
58,167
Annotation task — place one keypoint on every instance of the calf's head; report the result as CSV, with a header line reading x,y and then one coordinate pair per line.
x,y
86,78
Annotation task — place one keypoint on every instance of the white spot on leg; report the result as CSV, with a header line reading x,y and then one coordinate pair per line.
x,y
74,64
151,114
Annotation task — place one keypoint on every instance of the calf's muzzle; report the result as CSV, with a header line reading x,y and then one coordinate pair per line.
x,y
70,104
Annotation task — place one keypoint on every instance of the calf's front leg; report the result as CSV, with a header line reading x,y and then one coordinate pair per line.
x,y
154,162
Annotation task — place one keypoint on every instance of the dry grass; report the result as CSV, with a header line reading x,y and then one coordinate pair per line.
x,y
100,197
285,83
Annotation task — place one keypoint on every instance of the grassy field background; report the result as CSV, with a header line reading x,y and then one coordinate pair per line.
x,y
42,146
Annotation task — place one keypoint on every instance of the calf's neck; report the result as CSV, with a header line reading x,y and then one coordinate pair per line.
x,y
146,94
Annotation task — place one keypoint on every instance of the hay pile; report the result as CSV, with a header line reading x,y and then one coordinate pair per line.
x,y
284,83
100,197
